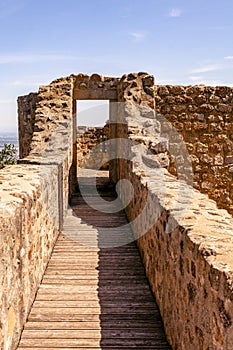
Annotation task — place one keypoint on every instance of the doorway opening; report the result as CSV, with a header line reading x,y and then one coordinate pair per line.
x,y
92,134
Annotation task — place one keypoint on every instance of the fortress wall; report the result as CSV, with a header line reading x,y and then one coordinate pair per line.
x,y
29,221
203,115
26,120
34,198
186,256
87,141
186,248
54,137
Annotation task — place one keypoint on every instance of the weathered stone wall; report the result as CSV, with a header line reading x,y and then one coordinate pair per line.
x,y
90,155
95,87
186,257
26,121
204,117
184,242
29,222
183,238
34,199
54,137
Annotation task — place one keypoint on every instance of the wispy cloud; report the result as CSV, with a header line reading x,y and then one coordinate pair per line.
x,y
228,58
208,68
207,82
165,81
138,36
213,82
195,78
25,83
34,58
175,12
6,101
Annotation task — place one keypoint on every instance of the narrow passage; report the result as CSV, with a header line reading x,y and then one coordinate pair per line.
x,y
93,297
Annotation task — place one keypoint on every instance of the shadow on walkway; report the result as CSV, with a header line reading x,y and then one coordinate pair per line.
x,y
94,294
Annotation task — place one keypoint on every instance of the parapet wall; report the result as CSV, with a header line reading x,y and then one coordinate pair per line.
x,y
34,198
203,115
186,256
184,240
29,225
26,119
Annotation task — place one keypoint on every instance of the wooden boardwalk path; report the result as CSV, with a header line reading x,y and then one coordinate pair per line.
x,y
93,297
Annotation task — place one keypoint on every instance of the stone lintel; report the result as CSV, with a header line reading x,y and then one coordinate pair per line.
x,y
98,94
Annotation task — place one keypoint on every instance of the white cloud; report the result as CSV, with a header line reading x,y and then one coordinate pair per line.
x,y
24,83
165,81
204,69
138,36
195,78
212,82
6,101
208,82
228,58
175,12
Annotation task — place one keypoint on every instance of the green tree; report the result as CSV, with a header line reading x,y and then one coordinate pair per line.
x,y
8,155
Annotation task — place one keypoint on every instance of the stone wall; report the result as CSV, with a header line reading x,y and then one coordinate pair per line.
x,y
90,155
54,136
183,238
34,198
26,121
29,222
204,117
95,87
186,256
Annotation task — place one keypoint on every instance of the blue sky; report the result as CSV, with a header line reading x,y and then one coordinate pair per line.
x,y
180,42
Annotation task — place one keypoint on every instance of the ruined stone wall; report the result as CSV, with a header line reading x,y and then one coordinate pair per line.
x,y
184,240
89,155
204,117
26,121
54,137
95,87
186,256
29,222
34,198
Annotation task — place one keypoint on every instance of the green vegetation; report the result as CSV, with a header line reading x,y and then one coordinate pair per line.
x,y
8,155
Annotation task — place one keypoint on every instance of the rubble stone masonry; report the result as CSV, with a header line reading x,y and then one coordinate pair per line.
x,y
90,155
185,240
203,115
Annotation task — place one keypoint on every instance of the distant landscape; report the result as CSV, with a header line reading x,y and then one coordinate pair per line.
x,y
8,138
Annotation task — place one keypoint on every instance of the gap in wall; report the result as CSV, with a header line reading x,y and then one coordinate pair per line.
x,y
92,112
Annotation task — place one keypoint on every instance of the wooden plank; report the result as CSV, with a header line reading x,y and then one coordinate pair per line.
x,y
102,281
137,289
111,347
93,334
101,310
91,274
91,342
106,347
88,325
53,295
93,304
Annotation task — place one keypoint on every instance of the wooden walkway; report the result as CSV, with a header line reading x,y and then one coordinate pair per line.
x,y
91,297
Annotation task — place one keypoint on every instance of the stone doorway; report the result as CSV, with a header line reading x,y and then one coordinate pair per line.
x,y
93,134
